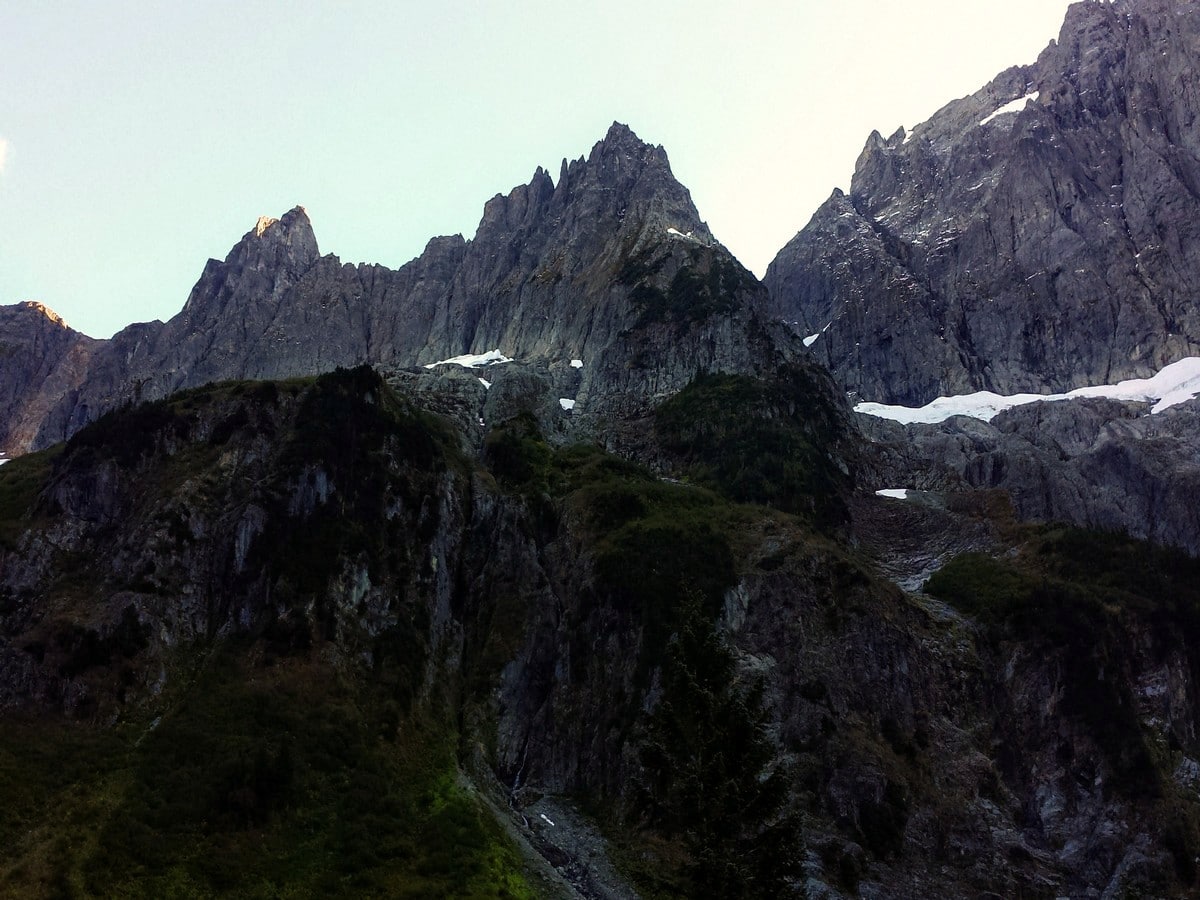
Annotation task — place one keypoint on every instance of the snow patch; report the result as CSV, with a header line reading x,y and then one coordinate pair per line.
x,y
577,364
3,461
546,819
1175,384
893,493
566,403
485,383
675,232
1012,106
812,338
473,360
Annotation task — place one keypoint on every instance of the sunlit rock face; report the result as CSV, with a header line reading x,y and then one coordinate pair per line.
x,y
42,359
1039,235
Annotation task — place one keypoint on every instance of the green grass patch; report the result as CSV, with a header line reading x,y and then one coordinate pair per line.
x,y
21,481
1084,594
711,284
256,783
758,441
518,456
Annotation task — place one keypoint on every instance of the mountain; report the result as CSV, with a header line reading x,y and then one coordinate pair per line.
x,y
556,271
550,565
1039,235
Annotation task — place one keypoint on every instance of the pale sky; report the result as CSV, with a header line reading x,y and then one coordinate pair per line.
x,y
138,139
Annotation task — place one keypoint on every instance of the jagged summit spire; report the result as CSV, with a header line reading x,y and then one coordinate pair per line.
x,y
619,132
296,217
289,240
620,138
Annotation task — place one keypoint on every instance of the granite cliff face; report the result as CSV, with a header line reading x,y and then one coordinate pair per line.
x,y
1037,236
1040,234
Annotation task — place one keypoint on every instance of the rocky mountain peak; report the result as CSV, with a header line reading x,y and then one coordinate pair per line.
x,y
42,312
628,184
270,257
289,240
623,182
41,359
619,133
555,271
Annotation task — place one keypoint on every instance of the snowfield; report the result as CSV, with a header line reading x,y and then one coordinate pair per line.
x,y
1011,107
473,360
1175,384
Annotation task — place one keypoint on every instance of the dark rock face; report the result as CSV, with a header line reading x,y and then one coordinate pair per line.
x,y
1046,248
1097,463
335,520
555,272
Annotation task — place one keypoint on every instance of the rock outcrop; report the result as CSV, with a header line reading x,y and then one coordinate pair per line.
x,y
1101,464
1041,234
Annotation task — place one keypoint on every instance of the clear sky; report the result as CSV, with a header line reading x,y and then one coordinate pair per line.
x,y
137,139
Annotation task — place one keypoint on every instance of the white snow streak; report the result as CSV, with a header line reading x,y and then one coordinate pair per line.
x,y
1011,107
485,383
566,403
473,361
894,493
577,364
1175,384
812,338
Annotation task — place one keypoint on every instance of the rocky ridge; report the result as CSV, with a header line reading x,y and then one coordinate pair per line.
x,y
556,271
1101,464
1037,236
